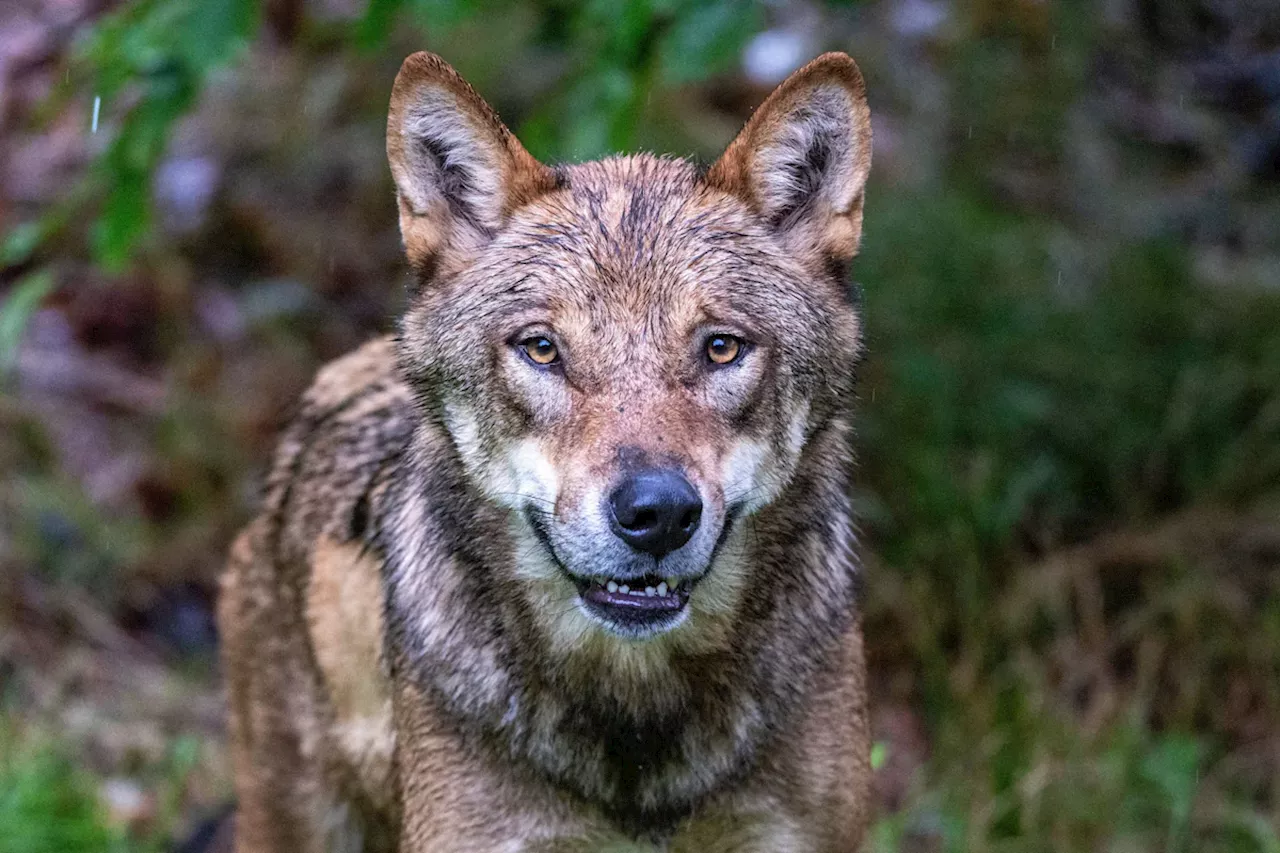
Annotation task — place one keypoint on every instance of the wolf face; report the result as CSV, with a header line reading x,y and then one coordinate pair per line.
x,y
630,356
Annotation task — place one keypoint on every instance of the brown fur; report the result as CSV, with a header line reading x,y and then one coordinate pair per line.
x,y
408,663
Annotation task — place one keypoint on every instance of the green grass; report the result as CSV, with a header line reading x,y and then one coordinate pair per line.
x,y
1125,789
51,799
47,804
1009,413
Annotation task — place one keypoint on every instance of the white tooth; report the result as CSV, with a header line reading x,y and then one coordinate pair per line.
x,y
611,586
650,591
624,589
662,589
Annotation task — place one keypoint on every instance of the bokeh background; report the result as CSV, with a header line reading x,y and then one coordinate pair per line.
x,y
1070,420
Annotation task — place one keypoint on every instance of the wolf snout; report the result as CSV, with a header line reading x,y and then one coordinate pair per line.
x,y
655,511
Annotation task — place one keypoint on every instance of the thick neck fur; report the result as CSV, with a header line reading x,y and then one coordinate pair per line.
x,y
645,744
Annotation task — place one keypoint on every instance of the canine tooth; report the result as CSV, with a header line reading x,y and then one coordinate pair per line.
x,y
624,589
662,589
650,591
672,583
611,586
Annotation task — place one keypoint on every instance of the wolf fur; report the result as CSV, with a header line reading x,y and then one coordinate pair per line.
x,y
409,664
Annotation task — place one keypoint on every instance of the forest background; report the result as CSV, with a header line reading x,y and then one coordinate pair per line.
x,y
1069,431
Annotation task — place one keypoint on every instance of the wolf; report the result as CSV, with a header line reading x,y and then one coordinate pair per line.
x,y
568,563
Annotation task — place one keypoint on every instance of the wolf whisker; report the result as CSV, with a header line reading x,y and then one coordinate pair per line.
x,y
745,495
523,496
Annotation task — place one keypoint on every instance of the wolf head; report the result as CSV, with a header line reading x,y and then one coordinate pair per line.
x,y
631,357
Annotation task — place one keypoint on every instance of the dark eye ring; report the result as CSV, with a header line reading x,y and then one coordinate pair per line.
x,y
540,350
723,350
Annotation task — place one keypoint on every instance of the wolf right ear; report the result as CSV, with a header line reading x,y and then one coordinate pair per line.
x,y
458,171
803,158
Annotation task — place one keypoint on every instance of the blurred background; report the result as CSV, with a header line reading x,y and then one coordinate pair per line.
x,y
1070,420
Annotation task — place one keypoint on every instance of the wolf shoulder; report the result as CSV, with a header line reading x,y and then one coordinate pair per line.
x,y
349,432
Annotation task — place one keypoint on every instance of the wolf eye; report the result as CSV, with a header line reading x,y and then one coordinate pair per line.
x,y
540,350
724,349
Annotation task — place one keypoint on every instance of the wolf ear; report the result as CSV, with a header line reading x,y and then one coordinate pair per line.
x,y
458,171
803,158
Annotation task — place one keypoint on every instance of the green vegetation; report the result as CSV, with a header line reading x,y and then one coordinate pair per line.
x,y
156,56
47,805
1077,704
1070,436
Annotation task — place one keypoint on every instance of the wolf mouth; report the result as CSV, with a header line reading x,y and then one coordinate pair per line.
x,y
649,601
645,602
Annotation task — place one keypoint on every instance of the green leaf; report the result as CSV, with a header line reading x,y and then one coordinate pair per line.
x,y
375,25
21,243
215,29
1174,767
879,754
131,159
707,40
439,17
22,302
163,51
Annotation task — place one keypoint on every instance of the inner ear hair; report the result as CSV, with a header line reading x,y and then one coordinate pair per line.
x,y
803,158
795,166
459,172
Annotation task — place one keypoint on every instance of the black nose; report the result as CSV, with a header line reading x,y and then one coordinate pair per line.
x,y
655,511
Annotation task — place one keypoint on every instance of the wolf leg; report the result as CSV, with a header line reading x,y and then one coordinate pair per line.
x,y
286,796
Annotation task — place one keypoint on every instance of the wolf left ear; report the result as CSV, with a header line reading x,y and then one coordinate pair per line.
x,y
459,171
803,158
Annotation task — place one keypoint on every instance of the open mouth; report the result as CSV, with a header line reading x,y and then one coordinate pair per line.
x,y
649,601
646,602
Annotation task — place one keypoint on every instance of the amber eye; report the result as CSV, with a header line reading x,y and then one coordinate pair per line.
x,y
540,350
723,349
